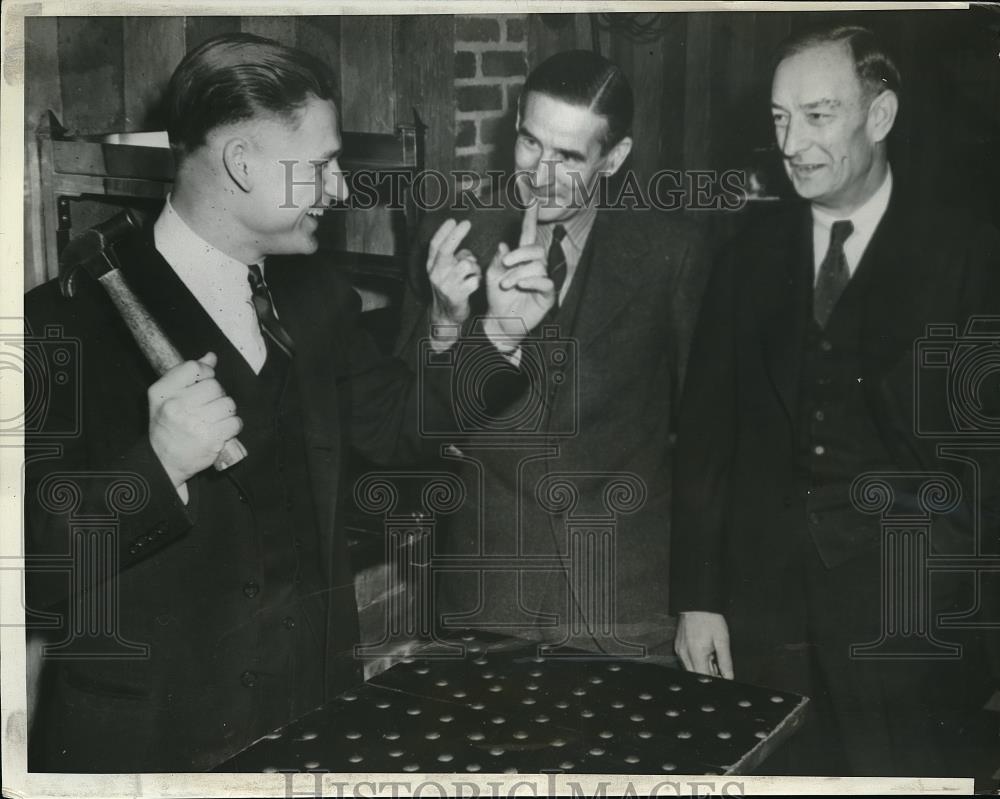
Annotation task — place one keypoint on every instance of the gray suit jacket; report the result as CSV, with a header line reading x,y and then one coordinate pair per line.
x,y
574,477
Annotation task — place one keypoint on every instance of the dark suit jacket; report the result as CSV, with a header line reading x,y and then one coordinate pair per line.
x,y
182,569
738,510
604,419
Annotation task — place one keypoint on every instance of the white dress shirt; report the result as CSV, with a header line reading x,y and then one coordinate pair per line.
x,y
216,280
865,220
577,230
219,284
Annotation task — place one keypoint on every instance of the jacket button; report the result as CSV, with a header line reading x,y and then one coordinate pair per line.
x,y
250,588
289,622
819,416
819,449
249,679
825,345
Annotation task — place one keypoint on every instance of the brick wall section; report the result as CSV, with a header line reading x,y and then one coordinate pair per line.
x,y
491,62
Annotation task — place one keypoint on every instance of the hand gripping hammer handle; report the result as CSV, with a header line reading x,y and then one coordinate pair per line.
x,y
159,351
91,250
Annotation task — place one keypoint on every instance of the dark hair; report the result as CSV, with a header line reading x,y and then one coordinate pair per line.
x,y
237,76
874,66
582,77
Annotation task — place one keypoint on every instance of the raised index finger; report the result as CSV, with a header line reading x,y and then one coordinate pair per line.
x,y
529,225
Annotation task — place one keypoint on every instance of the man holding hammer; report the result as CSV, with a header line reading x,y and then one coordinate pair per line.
x,y
232,607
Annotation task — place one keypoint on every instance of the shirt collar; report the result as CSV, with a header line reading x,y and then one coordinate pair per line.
x,y
577,229
866,218
212,276
217,281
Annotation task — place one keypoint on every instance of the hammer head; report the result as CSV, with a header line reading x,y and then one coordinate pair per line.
x,y
93,251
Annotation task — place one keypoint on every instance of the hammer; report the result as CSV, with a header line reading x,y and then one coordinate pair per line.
x,y
93,251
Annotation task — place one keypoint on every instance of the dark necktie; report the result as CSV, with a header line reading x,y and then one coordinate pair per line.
x,y
264,306
833,273
557,260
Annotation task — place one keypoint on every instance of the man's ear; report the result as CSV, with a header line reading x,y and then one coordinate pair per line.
x,y
616,156
882,115
235,156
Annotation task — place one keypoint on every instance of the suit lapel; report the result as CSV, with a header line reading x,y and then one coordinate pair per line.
x,y
186,323
784,278
610,272
316,366
896,277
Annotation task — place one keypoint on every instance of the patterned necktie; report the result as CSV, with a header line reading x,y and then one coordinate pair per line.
x,y
557,260
264,306
833,273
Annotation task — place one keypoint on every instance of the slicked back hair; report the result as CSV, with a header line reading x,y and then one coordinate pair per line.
x,y
235,77
584,78
874,66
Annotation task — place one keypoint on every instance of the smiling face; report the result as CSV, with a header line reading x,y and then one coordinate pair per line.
x,y
294,174
830,133
559,149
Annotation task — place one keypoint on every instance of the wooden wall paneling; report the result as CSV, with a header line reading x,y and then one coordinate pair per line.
x,y
549,34
366,64
41,93
910,136
583,38
642,63
742,108
281,29
697,92
91,67
198,29
320,36
153,46
673,92
769,30
92,78
425,81
603,35
369,104
972,66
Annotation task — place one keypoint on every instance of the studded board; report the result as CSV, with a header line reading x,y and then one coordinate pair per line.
x,y
501,708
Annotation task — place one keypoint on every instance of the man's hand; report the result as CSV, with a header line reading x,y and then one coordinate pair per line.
x,y
190,418
518,288
702,643
454,276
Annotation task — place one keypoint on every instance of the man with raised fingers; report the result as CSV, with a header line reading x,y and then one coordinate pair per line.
x,y
606,360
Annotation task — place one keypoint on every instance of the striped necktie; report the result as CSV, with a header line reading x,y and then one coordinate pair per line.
x,y
263,304
557,260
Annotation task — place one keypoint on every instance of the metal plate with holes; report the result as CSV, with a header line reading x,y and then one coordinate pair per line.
x,y
503,708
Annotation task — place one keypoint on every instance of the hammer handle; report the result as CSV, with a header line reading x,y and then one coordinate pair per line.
x,y
157,348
